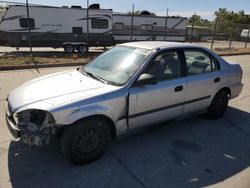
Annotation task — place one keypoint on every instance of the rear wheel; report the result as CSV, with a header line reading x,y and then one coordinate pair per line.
x,y
218,105
85,141
69,48
82,49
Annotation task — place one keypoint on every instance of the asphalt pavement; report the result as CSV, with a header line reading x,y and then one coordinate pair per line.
x,y
194,152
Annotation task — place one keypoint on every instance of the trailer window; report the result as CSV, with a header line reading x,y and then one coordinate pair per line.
x,y
24,22
99,23
77,30
146,27
118,26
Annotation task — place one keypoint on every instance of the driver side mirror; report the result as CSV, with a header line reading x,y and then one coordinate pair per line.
x,y
146,79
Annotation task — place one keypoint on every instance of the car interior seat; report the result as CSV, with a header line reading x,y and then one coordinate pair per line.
x,y
197,67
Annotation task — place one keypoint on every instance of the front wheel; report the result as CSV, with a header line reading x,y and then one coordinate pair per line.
x,y
218,105
85,141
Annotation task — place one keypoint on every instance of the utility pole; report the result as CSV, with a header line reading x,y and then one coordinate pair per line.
x,y
29,35
232,35
248,32
166,25
132,23
87,36
192,29
215,25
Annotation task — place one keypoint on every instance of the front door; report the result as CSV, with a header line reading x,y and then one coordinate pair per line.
x,y
150,104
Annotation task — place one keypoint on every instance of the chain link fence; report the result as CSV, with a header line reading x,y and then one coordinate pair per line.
x,y
21,45
217,35
220,34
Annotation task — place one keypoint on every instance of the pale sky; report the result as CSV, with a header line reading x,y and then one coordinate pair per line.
x,y
176,7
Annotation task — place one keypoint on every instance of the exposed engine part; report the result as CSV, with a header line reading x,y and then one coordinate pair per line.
x,y
34,120
32,127
36,140
36,126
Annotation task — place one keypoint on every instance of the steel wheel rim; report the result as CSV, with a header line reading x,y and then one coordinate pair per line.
x,y
69,48
88,142
82,49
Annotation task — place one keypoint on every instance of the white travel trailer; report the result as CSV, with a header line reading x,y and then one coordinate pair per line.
x,y
245,33
148,27
56,27
67,27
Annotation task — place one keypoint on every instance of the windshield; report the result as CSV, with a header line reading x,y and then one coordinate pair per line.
x,y
117,65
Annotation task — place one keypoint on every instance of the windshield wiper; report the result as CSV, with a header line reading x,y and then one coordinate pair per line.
x,y
93,76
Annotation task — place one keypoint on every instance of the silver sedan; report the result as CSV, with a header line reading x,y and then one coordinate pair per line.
x,y
131,86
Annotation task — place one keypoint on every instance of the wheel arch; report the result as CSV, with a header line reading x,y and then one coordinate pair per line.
x,y
105,118
227,89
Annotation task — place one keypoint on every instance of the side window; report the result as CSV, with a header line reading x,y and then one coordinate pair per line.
x,y
24,22
99,23
166,66
118,26
77,30
199,62
147,27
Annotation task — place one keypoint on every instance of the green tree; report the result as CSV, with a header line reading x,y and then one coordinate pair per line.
x,y
138,12
226,20
198,21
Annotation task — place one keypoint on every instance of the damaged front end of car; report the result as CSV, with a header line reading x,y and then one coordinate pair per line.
x,y
32,126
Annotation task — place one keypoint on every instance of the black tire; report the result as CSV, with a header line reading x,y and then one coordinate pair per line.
x,y
82,49
85,141
69,49
218,105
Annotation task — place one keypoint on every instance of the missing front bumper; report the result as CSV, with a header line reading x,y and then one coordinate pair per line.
x,y
26,136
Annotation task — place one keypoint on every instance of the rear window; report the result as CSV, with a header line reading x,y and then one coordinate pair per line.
x,y
199,62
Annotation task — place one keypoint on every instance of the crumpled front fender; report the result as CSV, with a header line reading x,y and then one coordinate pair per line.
x,y
76,113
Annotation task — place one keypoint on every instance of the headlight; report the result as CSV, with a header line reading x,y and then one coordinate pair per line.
x,y
37,117
15,117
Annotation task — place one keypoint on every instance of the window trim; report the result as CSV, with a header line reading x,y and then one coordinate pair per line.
x,y
204,52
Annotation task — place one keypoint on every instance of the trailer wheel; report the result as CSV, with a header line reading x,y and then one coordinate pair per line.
x,y
69,49
82,49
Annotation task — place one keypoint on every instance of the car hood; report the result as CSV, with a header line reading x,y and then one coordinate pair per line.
x,y
55,89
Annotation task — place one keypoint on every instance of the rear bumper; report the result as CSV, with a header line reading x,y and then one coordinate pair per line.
x,y
236,90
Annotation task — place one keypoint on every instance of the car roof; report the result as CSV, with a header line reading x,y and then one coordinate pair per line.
x,y
151,45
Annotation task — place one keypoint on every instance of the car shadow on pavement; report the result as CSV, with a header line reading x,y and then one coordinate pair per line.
x,y
194,152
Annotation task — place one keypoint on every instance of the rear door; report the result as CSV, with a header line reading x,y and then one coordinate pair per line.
x,y
203,79
151,104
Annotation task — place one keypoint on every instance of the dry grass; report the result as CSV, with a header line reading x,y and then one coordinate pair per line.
x,y
27,60
24,59
232,51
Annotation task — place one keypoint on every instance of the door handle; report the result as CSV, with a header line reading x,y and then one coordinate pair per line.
x,y
217,80
178,88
